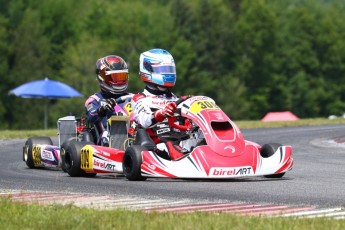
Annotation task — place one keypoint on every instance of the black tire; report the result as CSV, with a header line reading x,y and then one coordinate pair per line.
x,y
279,175
63,148
72,158
268,150
27,149
131,163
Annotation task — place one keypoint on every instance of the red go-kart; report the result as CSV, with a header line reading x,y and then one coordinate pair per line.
x,y
212,145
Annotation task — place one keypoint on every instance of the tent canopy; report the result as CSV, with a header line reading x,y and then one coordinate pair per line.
x,y
280,116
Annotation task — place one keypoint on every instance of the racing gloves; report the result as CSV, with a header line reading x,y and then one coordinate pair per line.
x,y
167,111
106,105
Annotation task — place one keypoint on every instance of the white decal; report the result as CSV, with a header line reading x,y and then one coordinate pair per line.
x,y
236,171
47,155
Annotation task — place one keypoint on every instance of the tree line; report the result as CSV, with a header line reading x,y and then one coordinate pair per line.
x,y
252,57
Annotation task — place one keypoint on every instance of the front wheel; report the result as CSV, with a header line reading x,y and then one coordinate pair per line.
x,y
73,158
279,175
267,150
63,148
131,163
27,149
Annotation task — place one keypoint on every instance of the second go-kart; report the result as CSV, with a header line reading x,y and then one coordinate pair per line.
x,y
40,152
212,146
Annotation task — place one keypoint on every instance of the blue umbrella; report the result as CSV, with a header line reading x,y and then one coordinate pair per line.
x,y
45,88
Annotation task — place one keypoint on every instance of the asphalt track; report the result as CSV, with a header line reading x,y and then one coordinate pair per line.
x,y
317,179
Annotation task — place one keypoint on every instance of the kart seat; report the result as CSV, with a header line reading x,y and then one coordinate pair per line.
x,y
142,138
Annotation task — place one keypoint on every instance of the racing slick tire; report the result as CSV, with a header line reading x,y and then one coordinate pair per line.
x,y
131,163
268,150
72,159
62,153
27,149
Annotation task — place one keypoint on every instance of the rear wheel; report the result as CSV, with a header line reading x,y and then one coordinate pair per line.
x,y
268,150
132,163
27,149
72,158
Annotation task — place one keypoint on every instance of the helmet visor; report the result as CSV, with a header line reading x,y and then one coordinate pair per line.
x,y
164,69
117,77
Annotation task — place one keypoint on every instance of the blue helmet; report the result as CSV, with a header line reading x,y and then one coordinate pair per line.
x,y
157,66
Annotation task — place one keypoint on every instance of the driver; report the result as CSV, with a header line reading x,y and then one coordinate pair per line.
x,y
156,103
112,76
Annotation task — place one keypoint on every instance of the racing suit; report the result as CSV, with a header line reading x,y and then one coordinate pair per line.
x,y
144,106
92,104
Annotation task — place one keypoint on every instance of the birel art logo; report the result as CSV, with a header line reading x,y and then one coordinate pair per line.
x,y
98,164
110,167
225,172
104,165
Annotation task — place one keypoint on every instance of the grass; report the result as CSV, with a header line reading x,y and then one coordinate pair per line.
x,y
23,216
300,122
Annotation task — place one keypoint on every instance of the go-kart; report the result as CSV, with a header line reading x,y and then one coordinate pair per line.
x,y
40,152
212,147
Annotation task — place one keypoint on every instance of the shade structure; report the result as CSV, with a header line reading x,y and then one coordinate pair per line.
x,y
280,116
45,88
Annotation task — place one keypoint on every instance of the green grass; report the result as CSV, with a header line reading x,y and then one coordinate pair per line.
x,y
23,216
13,134
301,122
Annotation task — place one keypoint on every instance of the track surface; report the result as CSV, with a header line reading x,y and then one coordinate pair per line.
x,y
317,179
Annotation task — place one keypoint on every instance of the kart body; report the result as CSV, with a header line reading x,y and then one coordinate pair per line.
x,y
212,144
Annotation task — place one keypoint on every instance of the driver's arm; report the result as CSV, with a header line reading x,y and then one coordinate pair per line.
x,y
143,114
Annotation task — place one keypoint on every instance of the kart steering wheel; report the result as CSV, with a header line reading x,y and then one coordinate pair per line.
x,y
171,120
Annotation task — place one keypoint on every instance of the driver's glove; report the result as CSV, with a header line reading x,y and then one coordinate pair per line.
x,y
167,111
106,105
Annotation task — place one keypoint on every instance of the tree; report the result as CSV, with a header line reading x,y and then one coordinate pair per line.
x,y
30,61
4,50
253,50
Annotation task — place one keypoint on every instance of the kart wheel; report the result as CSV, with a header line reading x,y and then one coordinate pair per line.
x,y
268,150
72,158
131,163
62,153
279,175
27,149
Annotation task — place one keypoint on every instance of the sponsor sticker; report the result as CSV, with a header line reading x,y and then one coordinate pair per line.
x,y
104,165
47,155
235,171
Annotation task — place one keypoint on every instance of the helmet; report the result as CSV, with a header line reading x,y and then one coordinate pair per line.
x,y
157,66
112,74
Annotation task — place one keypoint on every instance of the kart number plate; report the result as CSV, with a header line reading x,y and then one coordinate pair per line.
x,y
128,108
203,104
36,155
86,158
